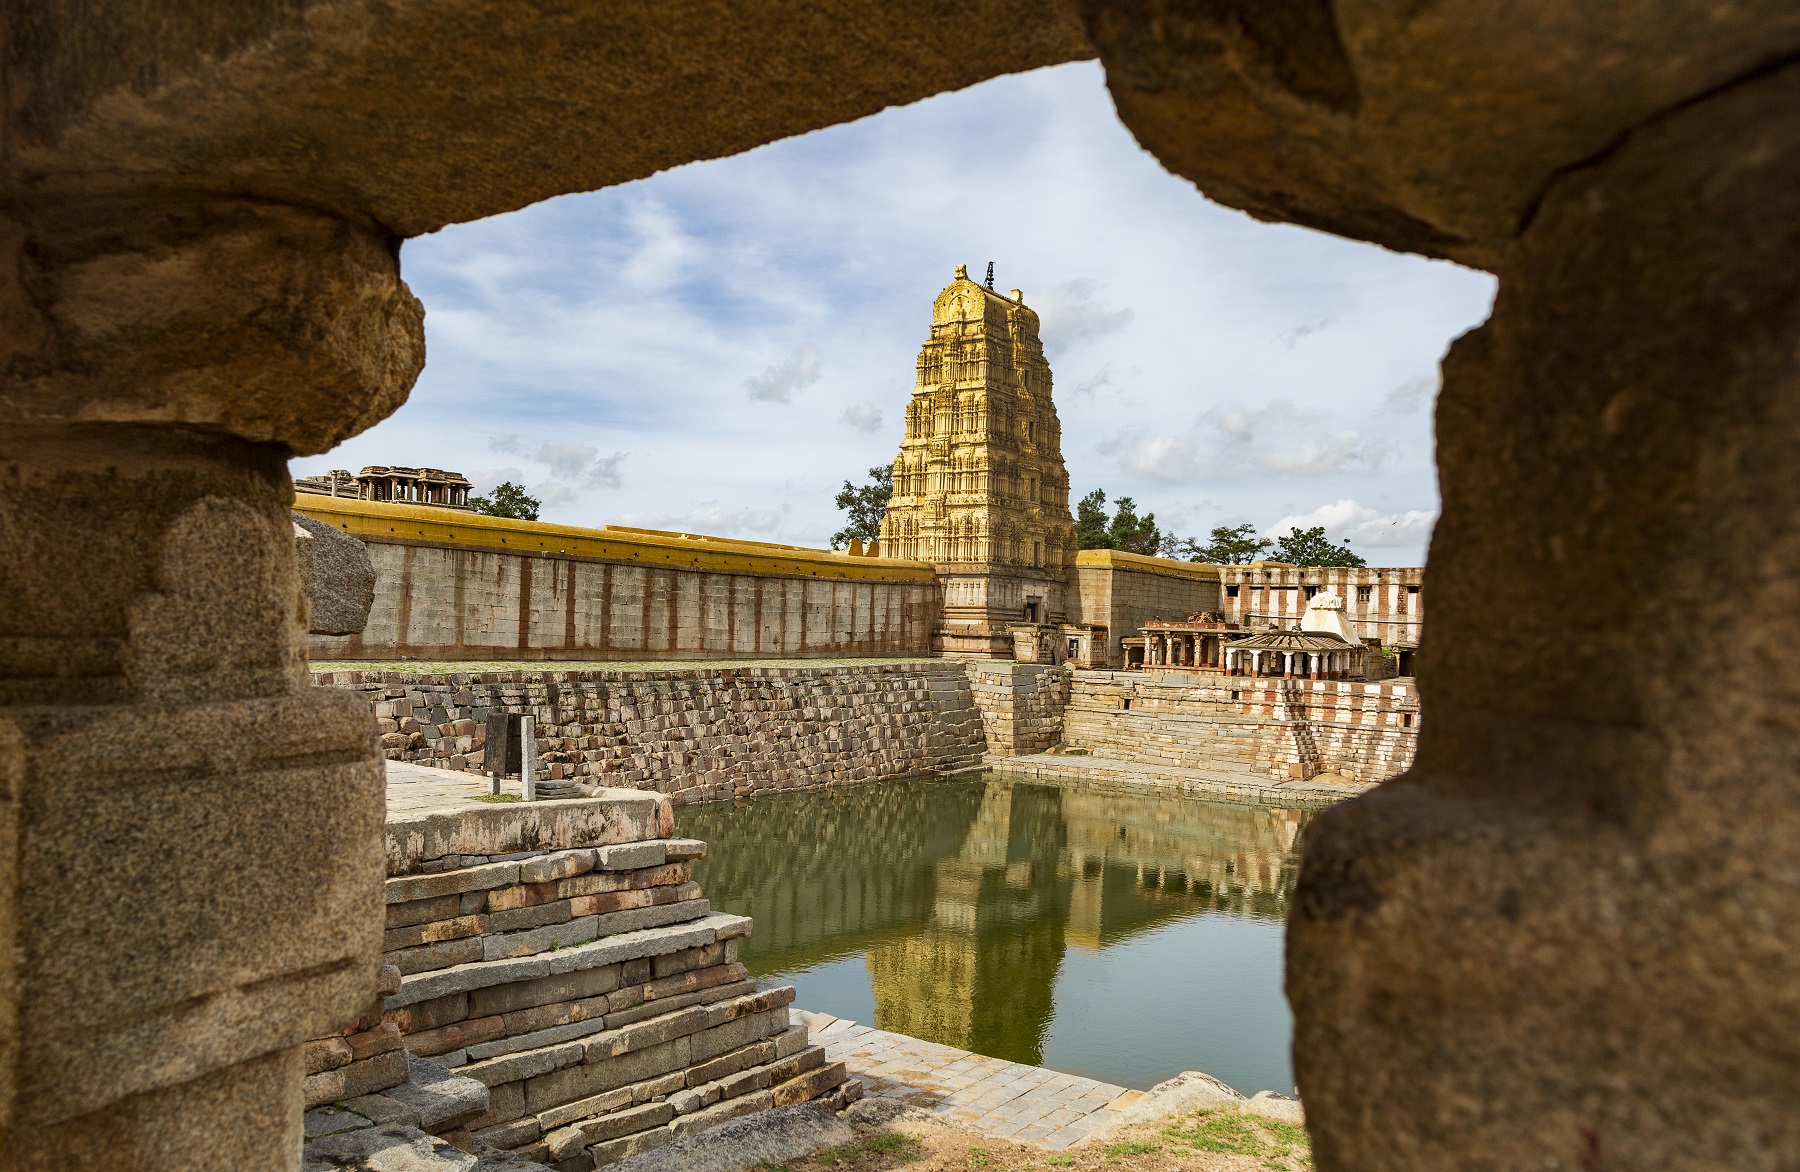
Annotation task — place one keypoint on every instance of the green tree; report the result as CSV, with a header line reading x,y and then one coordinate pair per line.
x,y
1132,533
867,505
1090,522
1229,545
509,500
1310,547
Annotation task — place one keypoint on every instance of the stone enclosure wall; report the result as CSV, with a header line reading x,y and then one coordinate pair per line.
x,y
1245,725
1123,591
697,734
454,585
583,979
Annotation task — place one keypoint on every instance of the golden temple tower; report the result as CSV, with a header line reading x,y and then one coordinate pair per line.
x,y
979,484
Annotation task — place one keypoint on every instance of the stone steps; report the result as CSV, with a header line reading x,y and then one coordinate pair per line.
x,y
590,989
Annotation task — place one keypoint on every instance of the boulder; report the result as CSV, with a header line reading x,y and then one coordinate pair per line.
x,y
336,575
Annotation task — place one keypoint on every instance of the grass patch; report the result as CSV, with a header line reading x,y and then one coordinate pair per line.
x,y
1134,1148
496,798
1279,1145
888,1143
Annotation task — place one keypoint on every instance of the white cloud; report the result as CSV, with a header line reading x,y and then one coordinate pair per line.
x,y
507,444
551,494
1090,386
1346,451
778,383
1070,313
1290,338
863,417
1164,459
1407,397
711,517
1283,439
486,480
605,473
1361,525
565,460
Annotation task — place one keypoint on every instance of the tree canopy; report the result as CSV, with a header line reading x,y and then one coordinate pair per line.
x,y
508,500
1229,545
867,505
1090,522
1310,547
1125,530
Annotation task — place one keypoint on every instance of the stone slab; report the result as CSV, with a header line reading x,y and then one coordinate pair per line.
x,y
767,1139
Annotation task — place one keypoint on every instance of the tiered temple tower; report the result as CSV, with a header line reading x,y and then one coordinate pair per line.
x,y
979,485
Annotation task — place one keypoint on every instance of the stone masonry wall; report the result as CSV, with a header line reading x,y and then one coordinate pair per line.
x,y
446,602
1245,725
586,983
1021,704
1122,597
697,734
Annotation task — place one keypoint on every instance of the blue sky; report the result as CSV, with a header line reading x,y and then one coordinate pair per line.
x,y
716,348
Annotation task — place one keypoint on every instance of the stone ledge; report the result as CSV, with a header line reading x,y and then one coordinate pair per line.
x,y
465,978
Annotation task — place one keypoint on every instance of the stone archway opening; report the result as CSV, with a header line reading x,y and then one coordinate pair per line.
x,y
1513,954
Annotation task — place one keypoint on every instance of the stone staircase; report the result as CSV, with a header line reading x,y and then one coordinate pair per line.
x,y
581,979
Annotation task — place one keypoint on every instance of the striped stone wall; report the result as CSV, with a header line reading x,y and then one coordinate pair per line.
x,y
1383,604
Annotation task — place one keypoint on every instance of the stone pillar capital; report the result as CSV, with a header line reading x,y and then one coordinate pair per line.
x,y
270,322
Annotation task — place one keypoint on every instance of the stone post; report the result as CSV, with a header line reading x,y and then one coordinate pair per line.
x,y
191,832
1568,937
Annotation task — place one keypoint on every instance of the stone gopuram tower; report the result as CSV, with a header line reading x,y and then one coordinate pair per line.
x,y
979,485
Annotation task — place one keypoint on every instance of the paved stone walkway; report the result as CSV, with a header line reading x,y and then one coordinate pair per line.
x,y
1102,772
1027,1104
418,789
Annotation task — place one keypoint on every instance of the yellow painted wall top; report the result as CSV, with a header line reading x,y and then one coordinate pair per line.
x,y
381,521
1118,559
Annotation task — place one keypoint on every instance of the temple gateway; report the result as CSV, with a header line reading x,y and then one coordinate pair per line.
x,y
979,485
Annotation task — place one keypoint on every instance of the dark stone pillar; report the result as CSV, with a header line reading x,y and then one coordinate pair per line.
x,y
1568,938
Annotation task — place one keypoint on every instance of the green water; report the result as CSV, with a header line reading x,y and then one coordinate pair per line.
x,y
1118,935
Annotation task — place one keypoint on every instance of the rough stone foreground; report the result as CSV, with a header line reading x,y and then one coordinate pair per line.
x,y
557,957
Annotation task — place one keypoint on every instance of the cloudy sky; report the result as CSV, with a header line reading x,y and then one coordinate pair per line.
x,y
717,348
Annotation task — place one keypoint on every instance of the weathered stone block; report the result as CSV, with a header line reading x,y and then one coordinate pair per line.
x,y
713,1116
809,1085
593,1105
357,1078
455,1036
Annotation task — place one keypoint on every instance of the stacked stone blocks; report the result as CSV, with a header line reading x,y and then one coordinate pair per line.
x,y
1021,705
698,734
585,983
1241,724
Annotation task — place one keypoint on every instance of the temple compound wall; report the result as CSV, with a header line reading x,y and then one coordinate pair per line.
x,y
455,585
562,958
1122,591
1245,725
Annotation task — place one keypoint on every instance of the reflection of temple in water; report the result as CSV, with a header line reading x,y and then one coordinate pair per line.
x,y
963,895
